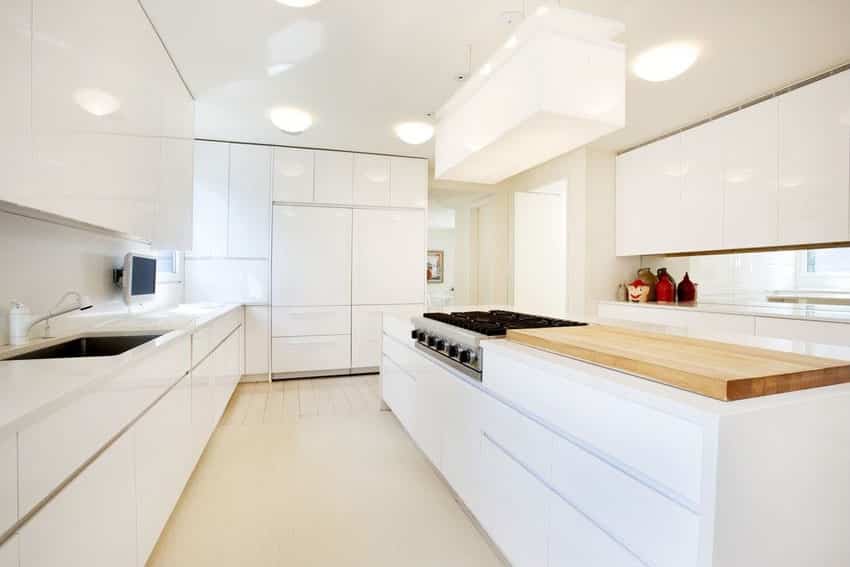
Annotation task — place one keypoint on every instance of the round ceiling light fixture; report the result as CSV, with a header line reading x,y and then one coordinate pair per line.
x,y
290,120
665,62
414,133
298,3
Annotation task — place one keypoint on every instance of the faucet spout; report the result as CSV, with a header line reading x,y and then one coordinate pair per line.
x,y
82,304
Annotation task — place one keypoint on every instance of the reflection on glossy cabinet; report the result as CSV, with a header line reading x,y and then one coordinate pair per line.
x,y
293,175
212,164
312,256
388,259
750,176
371,180
814,162
173,229
334,177
92,521
408,182
257,337
249,201
702,190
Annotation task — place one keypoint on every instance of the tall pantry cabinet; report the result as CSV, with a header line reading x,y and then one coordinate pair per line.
x,y
318,243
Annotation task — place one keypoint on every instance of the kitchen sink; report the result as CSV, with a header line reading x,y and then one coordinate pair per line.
x,y
88,346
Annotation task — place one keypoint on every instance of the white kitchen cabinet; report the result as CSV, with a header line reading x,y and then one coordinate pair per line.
x,y
460,452
388,257
227,280
249,201
173,229
9,553
513,508
257,339
163,462
229,371
293,175
371,180
311,353
814,162
408,182
312,256
367,328
8,481
92,521
334,177
210,202
702,189
398,390
429,414
750,176
306,321
820,332
574,540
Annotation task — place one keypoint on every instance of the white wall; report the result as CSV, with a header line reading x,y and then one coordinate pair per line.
x,y
41,260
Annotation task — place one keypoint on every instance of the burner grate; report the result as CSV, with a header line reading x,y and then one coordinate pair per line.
x,y
497,322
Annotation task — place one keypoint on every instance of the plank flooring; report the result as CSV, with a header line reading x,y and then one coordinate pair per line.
x,y
309,473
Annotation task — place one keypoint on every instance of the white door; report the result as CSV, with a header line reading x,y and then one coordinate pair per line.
x,y
311,262
250,201
212,162
388,265
540,253
334,177
371,180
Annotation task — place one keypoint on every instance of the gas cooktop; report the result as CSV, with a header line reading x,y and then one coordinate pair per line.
x,y
496,323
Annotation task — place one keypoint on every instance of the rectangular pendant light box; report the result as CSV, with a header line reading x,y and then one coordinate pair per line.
x,y
556,85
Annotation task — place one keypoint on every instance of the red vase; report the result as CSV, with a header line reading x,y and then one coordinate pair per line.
x,y
665,290
687,290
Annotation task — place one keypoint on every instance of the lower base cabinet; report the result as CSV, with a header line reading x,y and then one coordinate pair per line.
x,y
399,391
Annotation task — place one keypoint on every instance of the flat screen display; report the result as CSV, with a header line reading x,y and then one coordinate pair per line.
x,y
144,276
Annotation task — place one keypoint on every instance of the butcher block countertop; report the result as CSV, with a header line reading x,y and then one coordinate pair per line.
x,y
722,371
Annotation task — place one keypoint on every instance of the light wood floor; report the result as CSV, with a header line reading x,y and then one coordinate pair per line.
x,y
310,473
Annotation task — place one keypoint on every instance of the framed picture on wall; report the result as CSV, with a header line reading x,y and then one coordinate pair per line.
x,y
435,266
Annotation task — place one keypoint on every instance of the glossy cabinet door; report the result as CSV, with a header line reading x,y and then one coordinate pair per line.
x,y
15,135
702,189
750,176
518,524
365,336
814,162
371,180
408,182
202,382
429,407
92,521
163,462
9,553
334,177
398,390
8,481
293,175
249,201
210,200
312,256
460,456
257,337
388,258
173,228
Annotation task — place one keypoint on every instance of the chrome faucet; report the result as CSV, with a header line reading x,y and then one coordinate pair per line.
x,y
82,303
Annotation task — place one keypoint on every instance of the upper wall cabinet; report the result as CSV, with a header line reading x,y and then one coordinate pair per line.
x,y
249,201
371,180
776,173
334,177
408,182
293,175
212,166
814,167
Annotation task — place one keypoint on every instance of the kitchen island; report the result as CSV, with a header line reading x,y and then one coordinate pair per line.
x,y
565,462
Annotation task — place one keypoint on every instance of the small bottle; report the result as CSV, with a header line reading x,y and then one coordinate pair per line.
x,y
19,323
622,295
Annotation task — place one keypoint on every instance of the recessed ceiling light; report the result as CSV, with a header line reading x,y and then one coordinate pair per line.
x,y
96,101
290,120
414,133
298,3
278,69
486,69
511,43
665,62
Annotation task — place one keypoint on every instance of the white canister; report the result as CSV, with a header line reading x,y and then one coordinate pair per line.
x,y
19,323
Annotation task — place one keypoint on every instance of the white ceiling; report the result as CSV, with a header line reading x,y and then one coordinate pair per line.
x,y
360,66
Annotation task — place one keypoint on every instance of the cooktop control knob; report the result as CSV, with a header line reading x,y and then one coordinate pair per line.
x,y
432,340
421,336
414,334
453,350
441,344
465,356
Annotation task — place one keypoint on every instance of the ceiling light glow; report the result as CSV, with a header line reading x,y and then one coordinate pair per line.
x,y
298,3
96,101
486,69
290,120
665,62
414,133
511,43
542,10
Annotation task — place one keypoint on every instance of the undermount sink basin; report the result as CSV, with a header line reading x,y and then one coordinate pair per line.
x,y
84,347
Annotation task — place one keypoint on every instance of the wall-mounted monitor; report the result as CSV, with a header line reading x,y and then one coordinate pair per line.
x,y
139,278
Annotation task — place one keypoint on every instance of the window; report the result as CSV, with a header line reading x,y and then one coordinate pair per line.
x,y
168,266
826,269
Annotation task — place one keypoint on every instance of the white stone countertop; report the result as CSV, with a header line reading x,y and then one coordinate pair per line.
x,y
800,311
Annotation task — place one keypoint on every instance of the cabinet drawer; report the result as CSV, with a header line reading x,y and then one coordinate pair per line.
x,y
575,541
311,354
51,449
205,339
655,528
810,331
398,390
305,321
526,440
8,481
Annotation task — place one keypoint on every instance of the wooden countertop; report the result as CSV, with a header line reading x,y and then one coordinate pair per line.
x,y
718,370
